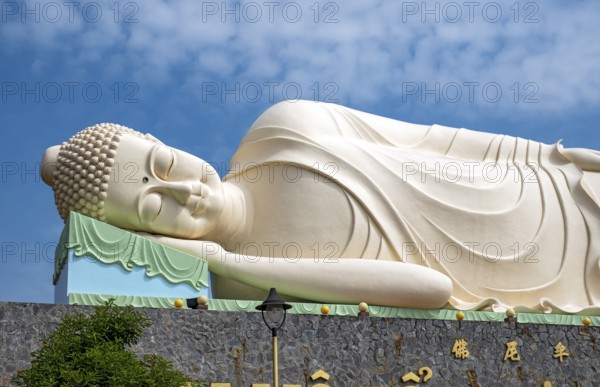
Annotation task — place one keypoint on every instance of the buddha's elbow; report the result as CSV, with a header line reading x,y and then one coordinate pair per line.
x,y
441,291
432,291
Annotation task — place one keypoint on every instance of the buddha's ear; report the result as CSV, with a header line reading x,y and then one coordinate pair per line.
x,y
49,164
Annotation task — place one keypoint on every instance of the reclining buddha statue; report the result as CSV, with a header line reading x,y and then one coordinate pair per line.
x,y
330,204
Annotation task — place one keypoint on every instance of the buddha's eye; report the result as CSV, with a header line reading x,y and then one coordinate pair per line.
x,y
144,179
151,207
163,162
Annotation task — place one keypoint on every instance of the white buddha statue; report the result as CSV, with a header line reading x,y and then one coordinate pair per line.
x,y
329,204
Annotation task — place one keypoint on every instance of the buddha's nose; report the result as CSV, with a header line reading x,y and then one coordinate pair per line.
x,y
182,192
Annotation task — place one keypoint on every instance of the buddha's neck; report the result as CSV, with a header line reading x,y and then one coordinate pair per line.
x,y
236,216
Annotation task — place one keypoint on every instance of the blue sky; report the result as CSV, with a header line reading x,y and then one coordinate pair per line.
x,y
196,75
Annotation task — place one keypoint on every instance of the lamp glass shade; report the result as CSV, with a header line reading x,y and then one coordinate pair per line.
x,y
274,314
273,310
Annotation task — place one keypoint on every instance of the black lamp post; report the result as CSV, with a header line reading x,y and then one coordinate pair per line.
x,y
274,310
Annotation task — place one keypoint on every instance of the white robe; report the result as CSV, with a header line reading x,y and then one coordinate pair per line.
x,y
512,222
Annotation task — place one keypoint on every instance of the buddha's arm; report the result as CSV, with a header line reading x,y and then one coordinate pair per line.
x,y
346,281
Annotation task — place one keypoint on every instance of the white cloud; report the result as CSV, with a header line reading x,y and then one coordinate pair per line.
x,y
371,51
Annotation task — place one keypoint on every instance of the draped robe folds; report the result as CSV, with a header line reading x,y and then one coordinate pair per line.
x,y
513,222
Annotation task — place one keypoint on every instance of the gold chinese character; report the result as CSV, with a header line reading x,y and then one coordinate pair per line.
x,y
560,351
425,372
411,377
459,349
428,373
320,374
511,351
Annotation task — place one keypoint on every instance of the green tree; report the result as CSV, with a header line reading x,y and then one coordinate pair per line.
x,y
92,350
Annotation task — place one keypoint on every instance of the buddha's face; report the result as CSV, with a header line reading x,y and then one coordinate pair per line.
x,y
161,190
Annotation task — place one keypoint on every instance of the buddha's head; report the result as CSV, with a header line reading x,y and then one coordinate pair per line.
x,y
133,181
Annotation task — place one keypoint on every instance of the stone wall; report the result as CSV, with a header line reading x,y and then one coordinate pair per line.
x,y
235,348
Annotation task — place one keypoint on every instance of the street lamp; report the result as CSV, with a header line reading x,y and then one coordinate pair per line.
x,y
273,313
